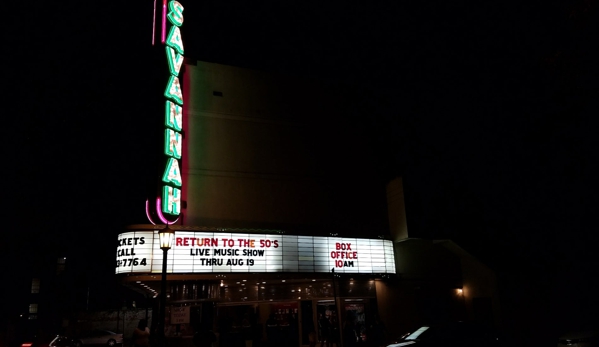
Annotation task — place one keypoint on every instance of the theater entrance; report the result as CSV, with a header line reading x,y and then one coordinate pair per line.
x,y
290,323
258,324
285,312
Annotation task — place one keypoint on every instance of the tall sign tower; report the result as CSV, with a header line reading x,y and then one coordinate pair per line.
x,y
165,206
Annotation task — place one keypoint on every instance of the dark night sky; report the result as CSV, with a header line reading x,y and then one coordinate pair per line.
x,y
492,124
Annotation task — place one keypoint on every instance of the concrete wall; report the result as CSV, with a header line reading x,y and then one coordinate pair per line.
x,y
398,308
405,305
419,259
274,152
425,290
479,281
396,210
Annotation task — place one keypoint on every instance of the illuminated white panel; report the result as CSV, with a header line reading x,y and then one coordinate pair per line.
x,y
208,252
363,242
274,268
309,252
290,263
305,239
134,252
239,269
183,268
221,268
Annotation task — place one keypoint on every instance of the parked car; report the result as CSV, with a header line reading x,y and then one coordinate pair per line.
x,y
40,341
98,337
461,334
588,338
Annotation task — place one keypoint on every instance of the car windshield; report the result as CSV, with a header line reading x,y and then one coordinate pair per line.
x,y
60,341
449,332
415,334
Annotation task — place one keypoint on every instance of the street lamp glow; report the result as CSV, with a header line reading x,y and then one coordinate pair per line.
x,y
166,237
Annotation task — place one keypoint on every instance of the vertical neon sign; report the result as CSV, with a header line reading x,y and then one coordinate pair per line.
x,y
173,138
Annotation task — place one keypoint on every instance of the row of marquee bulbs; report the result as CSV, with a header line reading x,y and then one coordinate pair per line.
x,y
148,288
222,282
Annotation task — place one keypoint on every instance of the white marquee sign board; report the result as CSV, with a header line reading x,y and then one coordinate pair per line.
x,y
216,252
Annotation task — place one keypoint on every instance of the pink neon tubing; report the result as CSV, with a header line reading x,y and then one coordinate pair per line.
x,y
160,215
148,211
163,21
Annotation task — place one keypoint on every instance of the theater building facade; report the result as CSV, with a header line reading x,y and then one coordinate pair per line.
x,y
280,218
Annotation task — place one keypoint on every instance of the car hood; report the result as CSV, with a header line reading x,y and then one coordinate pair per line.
x,y
402,343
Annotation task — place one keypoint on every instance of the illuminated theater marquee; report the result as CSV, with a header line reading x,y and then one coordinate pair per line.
x,y
202,252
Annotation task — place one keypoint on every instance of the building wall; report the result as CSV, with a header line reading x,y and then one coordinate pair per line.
x,y
480,290
276,153
263,151
419,259
407,304
442,264
397,308
398,225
